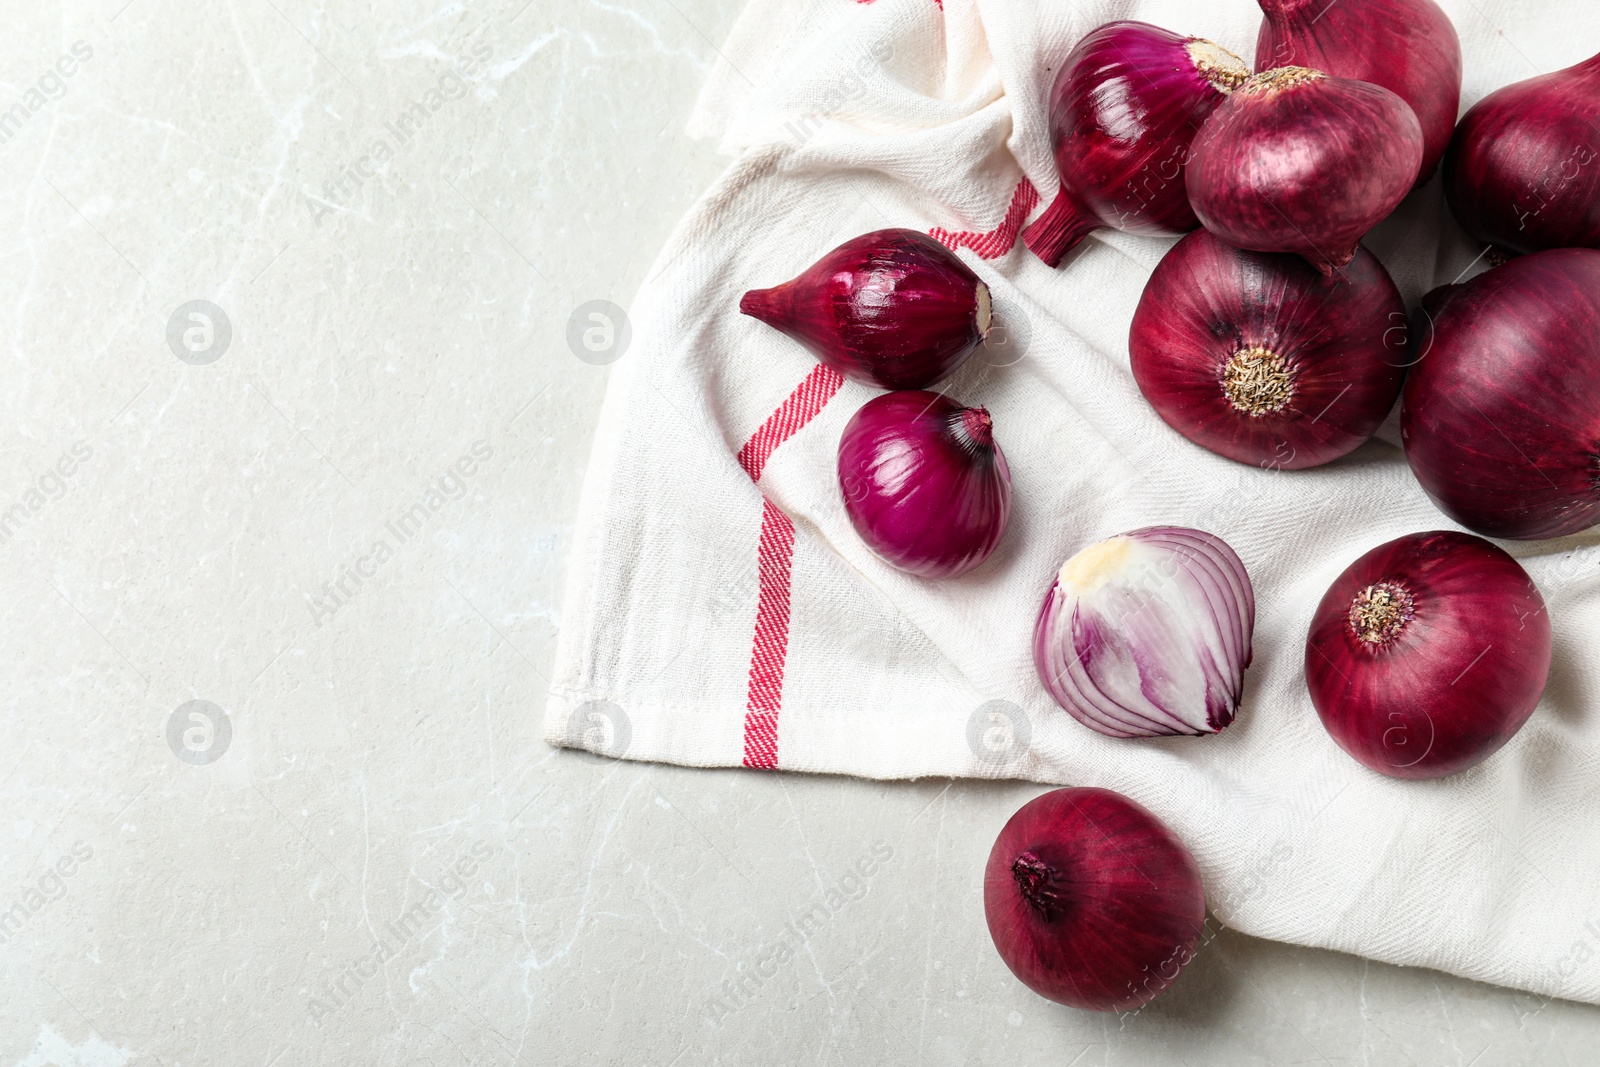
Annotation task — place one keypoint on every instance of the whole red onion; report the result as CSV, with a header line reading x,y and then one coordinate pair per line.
x,y
1500,417
1126,104
1427,654
1091,901
1409,47
1262,359
892,308
1296,160
1147,634
924,483
1521,171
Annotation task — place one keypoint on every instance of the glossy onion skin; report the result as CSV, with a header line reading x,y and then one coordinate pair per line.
x,y
1409,47
924,483
1461,677
1148,634
1308,168
892,308
1122,905
1124,108
1522,173
1500,417
1343,339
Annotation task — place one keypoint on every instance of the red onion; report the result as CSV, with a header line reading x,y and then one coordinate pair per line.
x,y
1520,173
924,482
1262,359
892,308
1126,103
1407,46
1501,417
1091,900
1148,634
1296,160
1427,654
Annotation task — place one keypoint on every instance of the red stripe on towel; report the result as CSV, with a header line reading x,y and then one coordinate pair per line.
x,y
774,562
800,408
998,241
772,639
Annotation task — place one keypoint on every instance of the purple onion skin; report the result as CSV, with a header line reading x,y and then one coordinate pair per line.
x,y
1091,901
1297,161
1341,340
1460,676
1126,103
924,483
1521,173
891,308
1500,417
1409,47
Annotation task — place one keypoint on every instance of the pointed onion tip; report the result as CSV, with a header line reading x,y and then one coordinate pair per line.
x,y
763,304
978,425
1058,231
1331,265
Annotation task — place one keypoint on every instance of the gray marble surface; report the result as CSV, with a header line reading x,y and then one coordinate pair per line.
x,y
264,714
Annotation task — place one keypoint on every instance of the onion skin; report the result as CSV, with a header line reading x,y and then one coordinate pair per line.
x,y
1116,906
891,308
1409,47
1125,106
1461,676
1336,345
1299,161
1500,417
924,483
1147,634
1521,172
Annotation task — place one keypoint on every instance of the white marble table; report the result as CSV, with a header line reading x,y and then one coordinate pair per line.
x,y
334,509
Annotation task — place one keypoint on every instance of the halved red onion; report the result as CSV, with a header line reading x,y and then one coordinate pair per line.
x,y
925,483
1521,173
1409,47
1147,634
1126,103
1500,417
1262,359
1427,654
892,308
1296,160
1092,901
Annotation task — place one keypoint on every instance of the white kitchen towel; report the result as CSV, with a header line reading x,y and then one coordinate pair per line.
x,y
722,612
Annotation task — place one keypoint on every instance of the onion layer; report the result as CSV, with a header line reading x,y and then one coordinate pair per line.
x,y
1262,359
1091,901
1427,654
1124,108
1409,47
1520,174
1298,161
1501,414
892,308
924,483
1148,634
